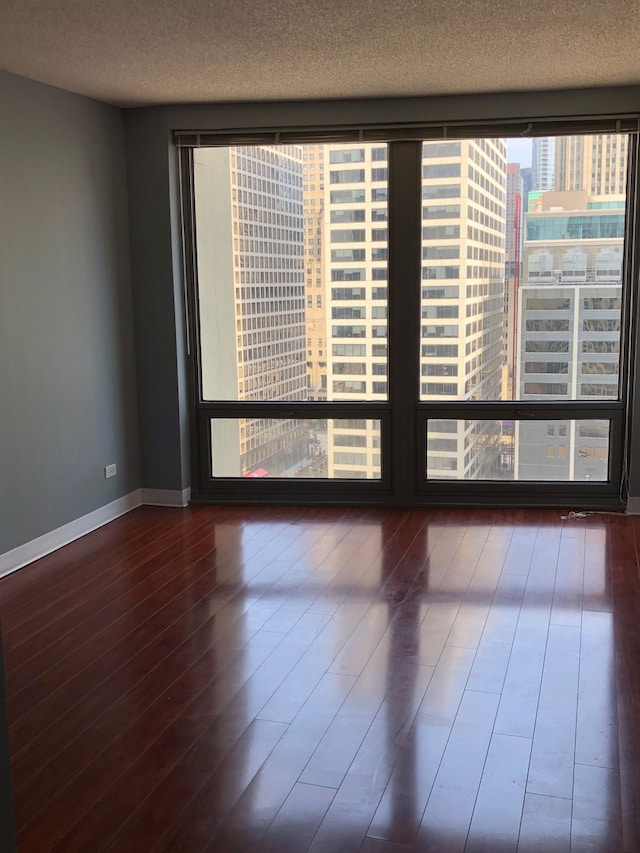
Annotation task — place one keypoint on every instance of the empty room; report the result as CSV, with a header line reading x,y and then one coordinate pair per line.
x,y
319,343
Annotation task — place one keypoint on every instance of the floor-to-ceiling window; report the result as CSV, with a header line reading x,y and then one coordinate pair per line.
x,y
409,321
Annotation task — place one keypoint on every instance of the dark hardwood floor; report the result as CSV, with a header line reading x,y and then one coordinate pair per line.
x,y
328,679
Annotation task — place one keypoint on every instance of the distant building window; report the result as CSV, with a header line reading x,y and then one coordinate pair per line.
x,y
441,170
443,463
543,389
346,196
439,312
439,389
431,191
348,235
440,331
441,211
345,458
441,232
594,389
546,367
450,292
347,275
440,252
546,346
548,304
347,176
347,155
339,216
440,149
338,255
547,325
601,325
347,293
440,272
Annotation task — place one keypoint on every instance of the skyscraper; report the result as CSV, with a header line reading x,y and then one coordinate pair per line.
x,y
356,282
570,305
569,339
251,285
463,251
543,162
595,163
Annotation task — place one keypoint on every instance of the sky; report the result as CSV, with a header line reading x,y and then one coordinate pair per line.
x,y
519,151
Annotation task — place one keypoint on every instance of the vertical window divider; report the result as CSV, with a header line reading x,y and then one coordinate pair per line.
x,y
405,241
629,345
198,454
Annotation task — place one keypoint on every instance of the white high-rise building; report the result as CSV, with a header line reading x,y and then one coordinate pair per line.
x,y
569,331
251,284
463,255
543,162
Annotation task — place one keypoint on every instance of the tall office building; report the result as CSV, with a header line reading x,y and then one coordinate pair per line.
x,y
356,284
462,330
543,162
251,280
569,338
595,163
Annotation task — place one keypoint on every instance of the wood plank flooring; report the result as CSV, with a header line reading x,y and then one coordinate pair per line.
x,y
328,679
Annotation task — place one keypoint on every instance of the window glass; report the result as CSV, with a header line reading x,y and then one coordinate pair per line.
x,y
541,450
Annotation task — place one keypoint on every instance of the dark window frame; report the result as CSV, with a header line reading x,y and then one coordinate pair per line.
x,y
403,422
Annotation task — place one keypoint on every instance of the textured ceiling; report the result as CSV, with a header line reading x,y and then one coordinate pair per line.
x,y
138,52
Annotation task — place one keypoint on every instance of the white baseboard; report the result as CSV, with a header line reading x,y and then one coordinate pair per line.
x,y
633,506
166,497
43,545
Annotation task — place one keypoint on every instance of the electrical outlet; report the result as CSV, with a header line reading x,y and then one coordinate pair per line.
x,y
110,471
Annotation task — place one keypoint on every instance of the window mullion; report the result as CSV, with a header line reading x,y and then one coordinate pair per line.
x,y
405,200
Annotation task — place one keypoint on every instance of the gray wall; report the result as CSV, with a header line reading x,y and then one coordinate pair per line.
x,y
156,260
158,308
67,372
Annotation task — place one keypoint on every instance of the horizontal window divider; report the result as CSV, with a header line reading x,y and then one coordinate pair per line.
x,y
496,486
523,493
284,483
409,131
250,409
463,493
289,492
515,411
